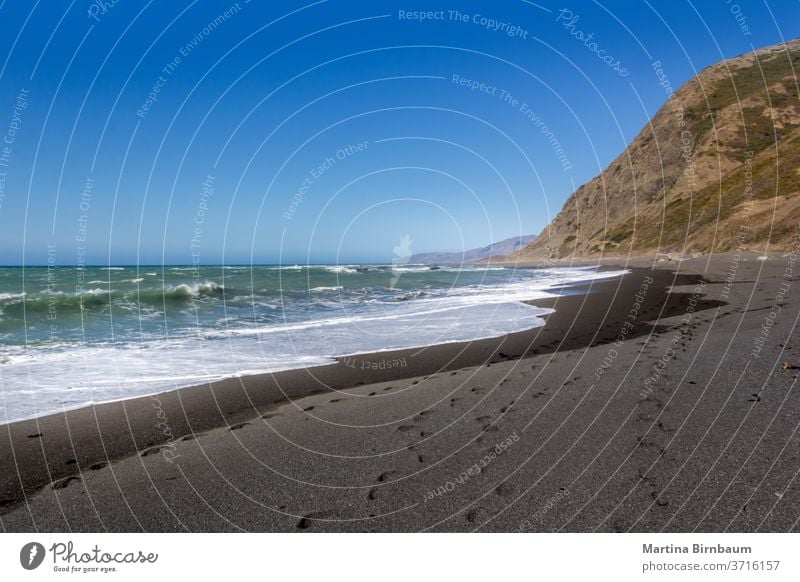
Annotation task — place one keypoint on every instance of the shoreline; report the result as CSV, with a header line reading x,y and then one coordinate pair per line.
x,y
332,360
343,359
59,457
238,391
293,337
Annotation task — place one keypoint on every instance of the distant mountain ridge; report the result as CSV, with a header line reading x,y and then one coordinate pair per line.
x,y
498,249
716,169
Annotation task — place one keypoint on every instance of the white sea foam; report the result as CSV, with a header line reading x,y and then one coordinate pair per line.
x,y
12,297
340,268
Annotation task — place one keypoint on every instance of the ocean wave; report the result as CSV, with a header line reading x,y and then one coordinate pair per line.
x,y
340,268
410,295
183,292
55,302
412,268
329,268
98,298
12,297
322,289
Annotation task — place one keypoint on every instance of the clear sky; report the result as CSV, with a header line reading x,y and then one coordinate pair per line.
x,y
283,131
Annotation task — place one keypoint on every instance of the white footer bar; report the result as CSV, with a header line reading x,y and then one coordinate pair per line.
x,y
389,557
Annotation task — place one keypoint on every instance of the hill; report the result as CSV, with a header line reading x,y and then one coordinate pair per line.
x,y
716,169
498,249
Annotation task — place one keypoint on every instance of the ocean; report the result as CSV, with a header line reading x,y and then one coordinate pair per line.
x,y
70,337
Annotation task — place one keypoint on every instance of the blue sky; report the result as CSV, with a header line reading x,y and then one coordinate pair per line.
x,y
326,131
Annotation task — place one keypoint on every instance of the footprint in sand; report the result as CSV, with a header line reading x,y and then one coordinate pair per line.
x,y
98,466
63,483
335,400
405,427
238,426
388,388
308,520
476,515
383,477
308,409
35,436
151,451
271,415
663,427
371,494
421,416
504,490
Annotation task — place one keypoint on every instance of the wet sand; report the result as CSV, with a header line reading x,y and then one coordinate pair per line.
x,y
654,402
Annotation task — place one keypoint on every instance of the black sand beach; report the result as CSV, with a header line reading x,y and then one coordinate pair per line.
x,y
655,402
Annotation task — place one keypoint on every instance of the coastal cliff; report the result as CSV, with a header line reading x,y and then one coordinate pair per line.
x,y
715,170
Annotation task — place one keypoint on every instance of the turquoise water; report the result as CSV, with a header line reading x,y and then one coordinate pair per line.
x,y
71,336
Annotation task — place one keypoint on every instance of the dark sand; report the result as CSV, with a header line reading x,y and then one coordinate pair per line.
x,y
586,443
